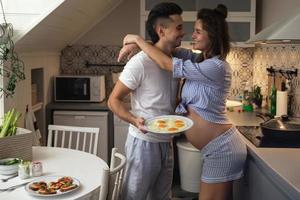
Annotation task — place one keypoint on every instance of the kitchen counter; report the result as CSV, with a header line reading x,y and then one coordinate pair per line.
x,y
244,118
280,165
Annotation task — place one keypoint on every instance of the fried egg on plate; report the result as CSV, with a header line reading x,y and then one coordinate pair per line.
x,y
167,125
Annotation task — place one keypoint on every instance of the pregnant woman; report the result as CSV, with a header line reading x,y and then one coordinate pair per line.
x,y
207,85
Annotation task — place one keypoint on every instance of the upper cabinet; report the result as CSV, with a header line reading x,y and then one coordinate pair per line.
x,y
241,17
235,8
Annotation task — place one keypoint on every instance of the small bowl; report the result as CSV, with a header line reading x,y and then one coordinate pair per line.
x,y
8,169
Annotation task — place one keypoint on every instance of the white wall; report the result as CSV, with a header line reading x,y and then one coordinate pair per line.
x,y
50,63
111,30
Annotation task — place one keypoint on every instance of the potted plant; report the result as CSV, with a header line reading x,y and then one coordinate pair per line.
x,y
257,97
12,68
15,142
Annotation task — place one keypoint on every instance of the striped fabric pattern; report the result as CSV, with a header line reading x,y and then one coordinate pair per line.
x,y
206,87
149,170
224,158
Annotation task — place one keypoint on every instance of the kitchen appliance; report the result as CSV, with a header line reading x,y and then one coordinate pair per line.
x,y
79,88
285,30
255,136
87,119
282,127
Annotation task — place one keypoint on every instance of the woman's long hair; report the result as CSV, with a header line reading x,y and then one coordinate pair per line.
x,y
213,21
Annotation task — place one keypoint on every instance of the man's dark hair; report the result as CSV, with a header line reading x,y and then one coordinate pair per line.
x,y
160,11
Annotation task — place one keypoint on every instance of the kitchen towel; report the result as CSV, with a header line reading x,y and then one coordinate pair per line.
x,y
31,124
281,103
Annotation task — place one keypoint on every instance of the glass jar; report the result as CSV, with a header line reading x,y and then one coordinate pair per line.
x,y
24,170
36,169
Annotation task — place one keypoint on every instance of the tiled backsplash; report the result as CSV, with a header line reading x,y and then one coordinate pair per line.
x,y
248,64
279,56
74,59
241,62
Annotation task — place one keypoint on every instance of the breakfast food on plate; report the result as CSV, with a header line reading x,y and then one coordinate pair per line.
x,y
172,129
55,185
47,191
62,184
167,125
65,188
65,180
38,185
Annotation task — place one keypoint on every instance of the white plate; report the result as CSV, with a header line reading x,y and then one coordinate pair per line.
x,y
231,103
151,124
49,179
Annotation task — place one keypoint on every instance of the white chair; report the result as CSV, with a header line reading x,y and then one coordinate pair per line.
x,y
111,190
104,184
73,137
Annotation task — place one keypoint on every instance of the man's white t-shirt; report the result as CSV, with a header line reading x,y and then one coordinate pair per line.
x,y
154,92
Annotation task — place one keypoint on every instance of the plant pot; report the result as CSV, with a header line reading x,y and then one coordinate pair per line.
x,y
17,146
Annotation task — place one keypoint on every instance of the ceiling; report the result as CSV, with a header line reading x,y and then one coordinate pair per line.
x,y
61,25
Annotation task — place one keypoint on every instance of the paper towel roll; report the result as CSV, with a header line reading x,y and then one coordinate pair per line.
x,y
281,103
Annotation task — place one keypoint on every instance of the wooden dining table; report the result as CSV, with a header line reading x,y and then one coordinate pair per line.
x,y
85,167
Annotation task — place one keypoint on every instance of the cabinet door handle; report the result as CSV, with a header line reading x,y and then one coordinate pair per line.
x,y
79,117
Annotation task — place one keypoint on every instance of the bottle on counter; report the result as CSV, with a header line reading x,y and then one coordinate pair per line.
x,y
272,107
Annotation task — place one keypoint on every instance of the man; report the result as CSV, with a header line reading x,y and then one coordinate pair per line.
x,y
149,168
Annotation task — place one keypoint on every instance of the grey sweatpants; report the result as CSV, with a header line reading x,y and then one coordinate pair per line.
x,y
149,170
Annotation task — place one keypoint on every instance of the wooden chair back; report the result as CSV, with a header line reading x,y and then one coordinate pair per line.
x,y
74,137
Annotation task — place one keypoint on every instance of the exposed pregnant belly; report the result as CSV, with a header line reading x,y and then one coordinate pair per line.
x,y
203,131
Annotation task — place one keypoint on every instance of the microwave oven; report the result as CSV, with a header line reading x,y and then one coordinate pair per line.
x,y
79,88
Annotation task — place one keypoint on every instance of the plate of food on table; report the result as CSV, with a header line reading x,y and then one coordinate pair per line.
x,y
52,185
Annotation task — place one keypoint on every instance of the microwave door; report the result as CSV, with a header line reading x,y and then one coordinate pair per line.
x,y
81,89
84,89
73,89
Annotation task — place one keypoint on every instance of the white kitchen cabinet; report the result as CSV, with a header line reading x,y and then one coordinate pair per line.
x,y
245,7
120,133
87,119
241,18
256,185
